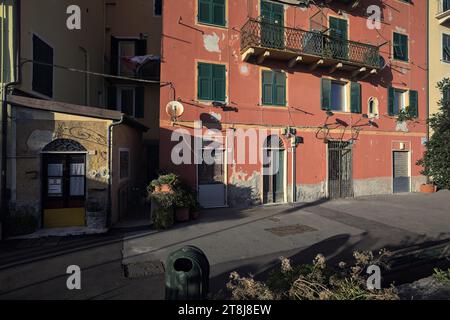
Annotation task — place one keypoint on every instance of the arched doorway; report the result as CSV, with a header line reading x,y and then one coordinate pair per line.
x,y
274,170
63,184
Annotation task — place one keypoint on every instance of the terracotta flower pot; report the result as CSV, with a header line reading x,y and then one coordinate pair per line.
x,y
428,188
164,188
182,214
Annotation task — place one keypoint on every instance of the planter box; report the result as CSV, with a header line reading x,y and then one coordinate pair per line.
x,y
96,219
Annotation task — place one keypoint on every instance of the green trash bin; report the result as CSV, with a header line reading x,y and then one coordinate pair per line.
x,y
187,275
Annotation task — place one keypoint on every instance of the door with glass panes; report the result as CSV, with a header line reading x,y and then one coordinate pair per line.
x,y
64,190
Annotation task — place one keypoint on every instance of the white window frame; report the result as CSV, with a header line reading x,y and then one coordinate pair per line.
x,y
120,40
345,86
405,100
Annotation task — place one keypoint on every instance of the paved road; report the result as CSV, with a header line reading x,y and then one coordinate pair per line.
x,y
249,241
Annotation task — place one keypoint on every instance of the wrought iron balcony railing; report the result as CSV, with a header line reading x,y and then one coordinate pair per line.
x,y
259,34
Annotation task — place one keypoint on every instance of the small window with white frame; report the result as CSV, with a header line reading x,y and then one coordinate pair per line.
x,y
124,164
372,107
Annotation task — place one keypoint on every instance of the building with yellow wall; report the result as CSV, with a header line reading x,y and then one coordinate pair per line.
x,y
438,48
70,161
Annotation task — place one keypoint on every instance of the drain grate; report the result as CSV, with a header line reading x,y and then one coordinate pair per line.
x,y
291,230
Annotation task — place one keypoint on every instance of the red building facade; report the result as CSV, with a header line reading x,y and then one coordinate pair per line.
x,y
339,94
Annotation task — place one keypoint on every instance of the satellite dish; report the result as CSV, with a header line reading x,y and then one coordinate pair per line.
x,y
174,109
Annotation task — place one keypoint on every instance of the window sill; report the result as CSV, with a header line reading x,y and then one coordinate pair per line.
x,y
210,25
271,106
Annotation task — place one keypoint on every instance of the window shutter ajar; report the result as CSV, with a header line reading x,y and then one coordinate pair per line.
x,y
414,103
355,99
326,94
219,83
391,101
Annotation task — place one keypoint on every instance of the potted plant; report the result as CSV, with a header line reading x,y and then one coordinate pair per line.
x,y
183,201
165,183
162,209
95,214
428,187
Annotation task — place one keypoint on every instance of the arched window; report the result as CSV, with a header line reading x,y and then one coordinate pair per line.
x,y
64,145
274,142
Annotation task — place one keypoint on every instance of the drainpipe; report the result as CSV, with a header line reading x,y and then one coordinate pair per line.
x,y
110,147
428,74
86,76
294,170
4,207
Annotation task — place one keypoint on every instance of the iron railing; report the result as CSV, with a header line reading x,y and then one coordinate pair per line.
x,y
257,33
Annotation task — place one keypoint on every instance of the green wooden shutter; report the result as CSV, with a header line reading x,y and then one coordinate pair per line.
x,y
112,98
338,28
204,11
219,82
139,102
267,87
279,87
141,47
326,94
391,101
205,91
414,103
266,11
218,10
400,47
355,97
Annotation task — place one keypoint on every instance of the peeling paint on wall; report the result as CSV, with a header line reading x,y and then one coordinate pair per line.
x,y
38,139
211,42
244,70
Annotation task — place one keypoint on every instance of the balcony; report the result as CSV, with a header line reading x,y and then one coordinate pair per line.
x,y
443,12
261,40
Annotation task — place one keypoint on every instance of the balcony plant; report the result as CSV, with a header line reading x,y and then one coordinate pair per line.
x,y
436,158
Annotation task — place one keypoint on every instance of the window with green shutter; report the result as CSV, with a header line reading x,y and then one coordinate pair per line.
x,y
397,102
211,82
212,12
273,88
400,47
355,97
413,109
